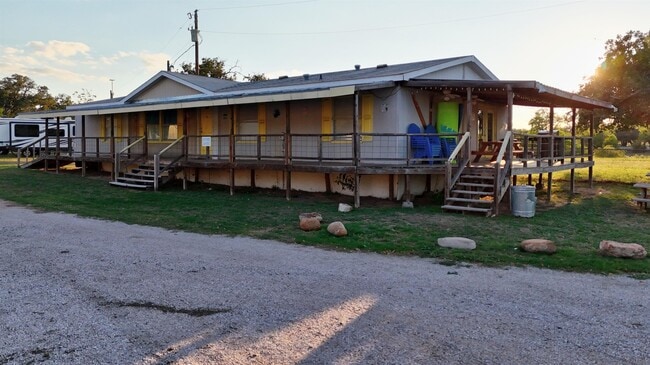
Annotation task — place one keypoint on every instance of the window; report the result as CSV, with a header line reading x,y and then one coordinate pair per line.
x,y
52,132
251,121
162,126
26,130
337,117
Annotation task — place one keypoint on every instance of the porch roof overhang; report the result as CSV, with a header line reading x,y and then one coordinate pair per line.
x,y
205,101
526,93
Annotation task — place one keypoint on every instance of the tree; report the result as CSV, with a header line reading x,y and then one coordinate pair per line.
x,y
19,93
211,67
542,121
215,67
623,79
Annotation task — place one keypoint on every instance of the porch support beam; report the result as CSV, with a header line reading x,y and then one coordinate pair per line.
x,y
83,145
551,152
356,141
591,149
287,149
572,183
57,151
47,142
231,151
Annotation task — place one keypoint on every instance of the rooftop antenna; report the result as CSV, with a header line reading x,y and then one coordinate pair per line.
x,y
194,32
111,80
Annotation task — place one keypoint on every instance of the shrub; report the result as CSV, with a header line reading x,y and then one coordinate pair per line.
x,y
638,145
599,140
609,152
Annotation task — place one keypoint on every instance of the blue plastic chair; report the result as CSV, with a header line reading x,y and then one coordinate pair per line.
x,y
434,140
448,145
420,145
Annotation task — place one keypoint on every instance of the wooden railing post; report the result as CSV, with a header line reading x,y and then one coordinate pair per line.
x,y
156,171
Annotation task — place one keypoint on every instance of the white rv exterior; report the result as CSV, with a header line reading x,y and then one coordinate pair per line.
x,y
16,133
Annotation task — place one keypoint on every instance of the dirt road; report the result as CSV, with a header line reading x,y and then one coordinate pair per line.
x,y
82,291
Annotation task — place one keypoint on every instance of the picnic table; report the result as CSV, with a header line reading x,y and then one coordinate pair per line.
x,y
642,200
491,148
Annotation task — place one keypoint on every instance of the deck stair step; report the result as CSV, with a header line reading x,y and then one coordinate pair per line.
x,y
474,185
469,201
471,192
127,185
142,177
462,208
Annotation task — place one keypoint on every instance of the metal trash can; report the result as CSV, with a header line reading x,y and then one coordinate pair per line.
x,y
523,201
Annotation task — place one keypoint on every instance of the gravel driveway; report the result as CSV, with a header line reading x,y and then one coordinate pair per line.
x,y
84,291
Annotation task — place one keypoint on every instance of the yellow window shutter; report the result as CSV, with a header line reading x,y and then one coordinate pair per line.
x,y
118,125
327,127
261,121
367,107
141,119
102,127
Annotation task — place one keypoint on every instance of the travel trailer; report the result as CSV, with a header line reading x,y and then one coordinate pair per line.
x,y
16,133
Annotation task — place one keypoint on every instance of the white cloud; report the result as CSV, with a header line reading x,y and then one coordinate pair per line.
x,y
57,50
153,62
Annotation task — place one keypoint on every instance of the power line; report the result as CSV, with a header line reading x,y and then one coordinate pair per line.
x,y
458,20
260,5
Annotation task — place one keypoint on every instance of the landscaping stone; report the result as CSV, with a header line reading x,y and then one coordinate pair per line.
x,y
407,204
620,249
345,207
309,224
538,245
337,229
457,242
310,221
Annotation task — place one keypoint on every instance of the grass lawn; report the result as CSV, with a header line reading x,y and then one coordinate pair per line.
x,y
577,224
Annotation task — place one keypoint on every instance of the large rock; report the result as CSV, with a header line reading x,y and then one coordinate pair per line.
x,y
337,229
345,207
620,249
309,224
457,242
310,221
538,245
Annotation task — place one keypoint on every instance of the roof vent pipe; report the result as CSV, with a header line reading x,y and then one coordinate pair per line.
x,y
357,67
383,65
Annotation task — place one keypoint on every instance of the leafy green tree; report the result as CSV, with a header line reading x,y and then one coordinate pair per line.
x,y
19,93
541,121
211,67
255,77
622,79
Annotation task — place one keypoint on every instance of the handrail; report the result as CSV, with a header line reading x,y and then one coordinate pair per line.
x,y
449,180
118,159
501,174
19,151
156,161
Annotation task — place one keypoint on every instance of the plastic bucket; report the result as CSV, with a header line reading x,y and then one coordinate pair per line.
x,y
523,201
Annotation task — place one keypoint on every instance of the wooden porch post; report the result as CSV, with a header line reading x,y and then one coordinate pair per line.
x,y
83,145
551,153
572,183
47,142
287,148
57,150
113,177
356,140
591,149
231,151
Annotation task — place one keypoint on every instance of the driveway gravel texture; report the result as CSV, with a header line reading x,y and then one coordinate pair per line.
x,y
86,291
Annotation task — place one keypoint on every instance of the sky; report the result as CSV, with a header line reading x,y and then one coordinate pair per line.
x,y
97,45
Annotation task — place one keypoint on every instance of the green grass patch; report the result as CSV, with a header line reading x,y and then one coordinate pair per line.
x,y
577,224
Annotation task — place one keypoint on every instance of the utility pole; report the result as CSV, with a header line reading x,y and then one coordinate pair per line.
x,y
195,38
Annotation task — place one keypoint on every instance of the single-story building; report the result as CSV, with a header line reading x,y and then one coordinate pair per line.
x,y
390,131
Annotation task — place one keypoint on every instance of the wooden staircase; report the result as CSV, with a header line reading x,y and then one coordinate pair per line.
x,y
474,192
142,177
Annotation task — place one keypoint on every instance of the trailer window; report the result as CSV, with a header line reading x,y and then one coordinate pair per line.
x,y
26,130
52,132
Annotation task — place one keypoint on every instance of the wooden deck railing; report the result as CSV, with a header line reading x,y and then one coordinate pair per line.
x,y
130,154
173,149
546,150
459,157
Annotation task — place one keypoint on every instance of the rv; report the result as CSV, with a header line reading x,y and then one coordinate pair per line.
x,y
16,133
